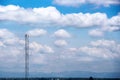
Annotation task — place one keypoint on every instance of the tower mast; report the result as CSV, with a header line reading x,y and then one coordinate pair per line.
x,y
26,56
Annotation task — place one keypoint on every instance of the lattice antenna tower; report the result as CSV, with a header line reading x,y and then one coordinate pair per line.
x,y
26,56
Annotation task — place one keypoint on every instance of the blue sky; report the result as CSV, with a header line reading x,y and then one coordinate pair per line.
x,y
91,8
84,33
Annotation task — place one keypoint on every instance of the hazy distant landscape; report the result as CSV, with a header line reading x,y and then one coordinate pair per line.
x,y
59,79
73,74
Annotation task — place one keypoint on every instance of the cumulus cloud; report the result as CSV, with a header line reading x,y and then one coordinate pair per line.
x,y
47,16
73,49
115,20
96,33
50,16
12,50
84,20
105,3
62,34
69,2
5,34
8,37
41,15
60,43
95,51
110,28
110,25
100,49
37,32
80,2
102,42
107,49
38,48
1,44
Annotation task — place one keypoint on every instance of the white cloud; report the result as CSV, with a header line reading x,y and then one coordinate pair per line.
x,y
48,49
51,16
35,46
38,48
115,20
73,49
84,20
96,33
38,59
105,3
1,44
41,15
96,52
80,2
110,28
61,33
37,32
69,2
9,8
113,24
46,18
8,37
110,25
11,49
5,34
107,49
60,43
105,43
100,49
11,42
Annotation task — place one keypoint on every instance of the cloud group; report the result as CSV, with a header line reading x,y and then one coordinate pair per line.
x,y
58,49
102,49
51,16
77,3
107,49
45,55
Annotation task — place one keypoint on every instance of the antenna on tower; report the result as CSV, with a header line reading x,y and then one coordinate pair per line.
x,y
26,56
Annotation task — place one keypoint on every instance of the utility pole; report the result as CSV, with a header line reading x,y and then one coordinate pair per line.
x,y
26,56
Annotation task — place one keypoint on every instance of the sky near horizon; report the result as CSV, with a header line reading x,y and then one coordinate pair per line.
x,y
65,35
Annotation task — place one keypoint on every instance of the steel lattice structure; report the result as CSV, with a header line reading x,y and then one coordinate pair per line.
x,y
26,56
